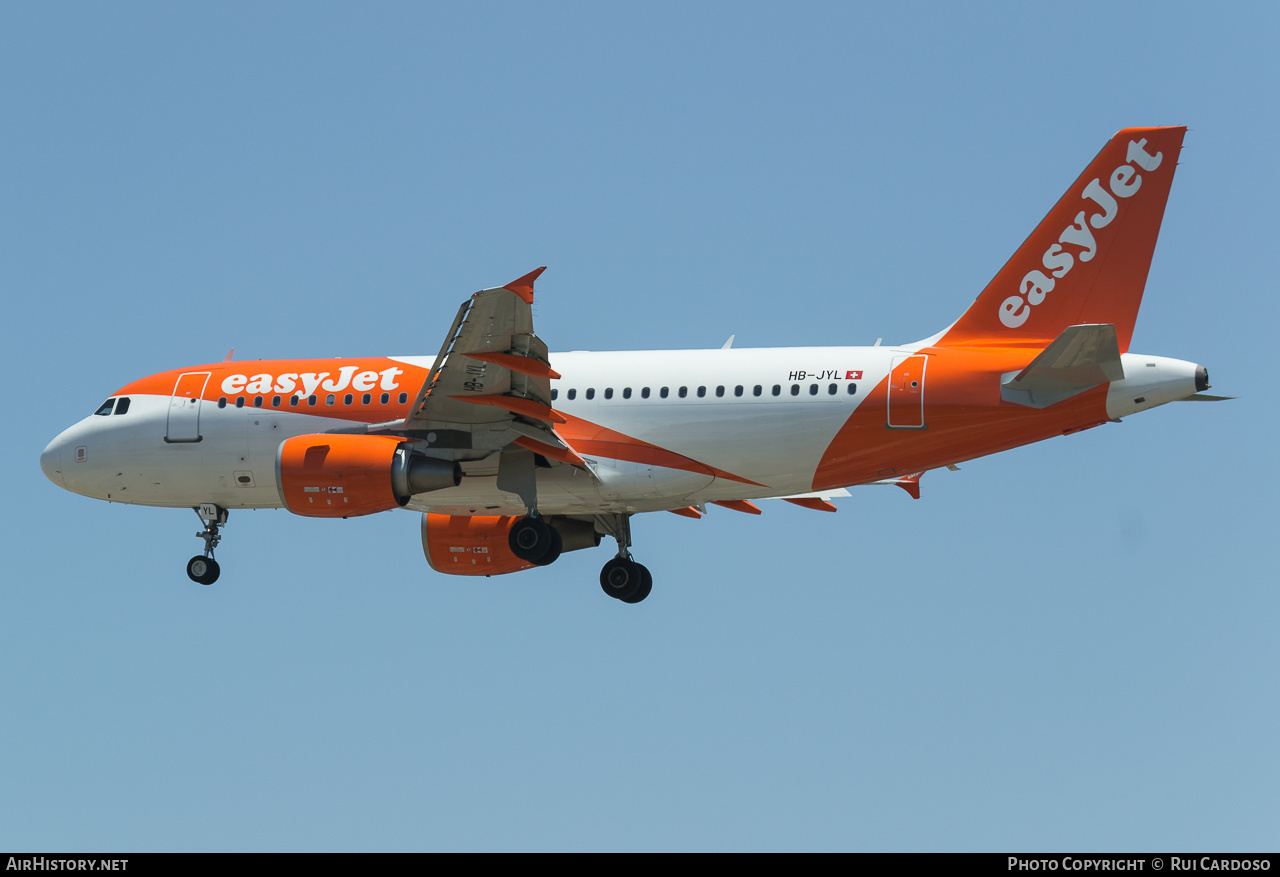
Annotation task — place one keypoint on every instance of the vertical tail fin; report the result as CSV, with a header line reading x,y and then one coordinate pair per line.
x,y
1087,260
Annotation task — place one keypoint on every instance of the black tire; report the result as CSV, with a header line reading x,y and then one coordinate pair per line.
x,y
621,579
203,570
557,545
530,539
646,585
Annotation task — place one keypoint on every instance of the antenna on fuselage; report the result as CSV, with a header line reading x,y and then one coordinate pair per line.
x,y
230,353
728,343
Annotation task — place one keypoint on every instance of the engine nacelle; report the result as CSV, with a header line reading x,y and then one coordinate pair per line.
x,y
342,476
466,545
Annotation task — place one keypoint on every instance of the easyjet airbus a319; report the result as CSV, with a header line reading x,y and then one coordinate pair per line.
x,y
514,455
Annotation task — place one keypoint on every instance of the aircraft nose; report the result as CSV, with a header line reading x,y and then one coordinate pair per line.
x,y
51,462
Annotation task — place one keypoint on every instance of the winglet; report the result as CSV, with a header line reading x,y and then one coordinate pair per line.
x,y
524,286
910,483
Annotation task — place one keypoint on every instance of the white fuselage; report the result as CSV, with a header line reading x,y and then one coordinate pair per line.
x,y
759,420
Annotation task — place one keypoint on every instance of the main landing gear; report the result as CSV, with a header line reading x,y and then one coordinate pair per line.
x,y
202,568
622,578
533,540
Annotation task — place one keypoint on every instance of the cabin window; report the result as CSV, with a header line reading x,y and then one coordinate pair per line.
x,y
757,390
777,389
257,401
386,397
644,394
608,392
831,390
664,392
239,401
106,407
293,401
311,400
737,391
702,391
813,389
366,398
222,402
330,399
573,394
795,389
275,401
684,391
853,388
346,400
404,397
591,392
626,392
720,391
555,394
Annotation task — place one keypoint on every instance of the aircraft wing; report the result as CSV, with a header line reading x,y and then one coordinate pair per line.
x,y
490,385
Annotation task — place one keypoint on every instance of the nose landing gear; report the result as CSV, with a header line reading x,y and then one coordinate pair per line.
x,y
202,568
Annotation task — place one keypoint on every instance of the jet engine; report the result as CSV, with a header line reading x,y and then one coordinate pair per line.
x,y
341,476
464,545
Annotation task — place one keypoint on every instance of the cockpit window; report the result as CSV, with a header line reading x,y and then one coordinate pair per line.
x,y
106,407
122,405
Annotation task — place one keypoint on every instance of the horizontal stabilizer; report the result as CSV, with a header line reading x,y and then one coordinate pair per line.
x,y
1205,397
1079,359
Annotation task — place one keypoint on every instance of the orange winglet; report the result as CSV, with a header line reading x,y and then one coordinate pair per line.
x,y
526,365
810,502
911,484
516,405
564,455
687,512
738,505
524,286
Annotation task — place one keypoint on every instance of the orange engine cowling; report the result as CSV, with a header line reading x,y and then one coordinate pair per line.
x,y
465,545
342,476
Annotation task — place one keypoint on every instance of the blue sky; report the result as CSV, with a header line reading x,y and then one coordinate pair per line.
x,y
1067,646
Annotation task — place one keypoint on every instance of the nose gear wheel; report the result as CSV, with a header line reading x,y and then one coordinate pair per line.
x,y
203,569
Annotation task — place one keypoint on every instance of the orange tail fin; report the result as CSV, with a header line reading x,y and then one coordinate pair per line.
x,y
1087,260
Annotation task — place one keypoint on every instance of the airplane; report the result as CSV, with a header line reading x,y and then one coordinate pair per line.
x,y
514,455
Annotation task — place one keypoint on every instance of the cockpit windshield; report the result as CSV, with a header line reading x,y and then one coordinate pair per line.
x,y
121,406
